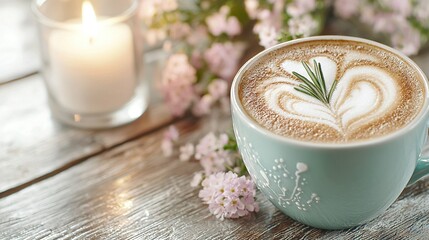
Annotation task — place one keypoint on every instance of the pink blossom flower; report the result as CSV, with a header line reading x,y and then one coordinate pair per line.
x,y
300,7
402,7
177,83
265,16
209,151
228,195
210,143
216,161
233,27
218,88
267,36
216,24
186,152
387,22
273,17
203,106
346,8
269,24
223,58
304,25
220,22
407,41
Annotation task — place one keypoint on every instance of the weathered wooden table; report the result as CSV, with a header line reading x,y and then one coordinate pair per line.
x,y
61,182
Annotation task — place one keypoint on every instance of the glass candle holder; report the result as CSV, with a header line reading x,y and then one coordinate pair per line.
x,y
91,61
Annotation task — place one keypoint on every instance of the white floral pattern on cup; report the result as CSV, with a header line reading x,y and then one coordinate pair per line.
x,y
273,181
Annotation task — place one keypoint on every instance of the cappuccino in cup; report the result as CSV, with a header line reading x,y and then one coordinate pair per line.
x,y
331,128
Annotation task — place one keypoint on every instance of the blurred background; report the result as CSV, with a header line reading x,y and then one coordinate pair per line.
x,y
18,40
217,36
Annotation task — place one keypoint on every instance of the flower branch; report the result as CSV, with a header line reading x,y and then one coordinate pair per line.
x,y
223,182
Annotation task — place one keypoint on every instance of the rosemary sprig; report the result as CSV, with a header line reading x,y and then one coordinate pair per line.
x,y
316,87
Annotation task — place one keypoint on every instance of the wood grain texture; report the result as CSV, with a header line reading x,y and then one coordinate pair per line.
x,y
33,145
133,192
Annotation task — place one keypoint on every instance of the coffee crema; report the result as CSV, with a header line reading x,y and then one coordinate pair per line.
x,y
377,93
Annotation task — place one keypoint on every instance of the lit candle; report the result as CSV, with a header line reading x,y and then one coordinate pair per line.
x,y
92,68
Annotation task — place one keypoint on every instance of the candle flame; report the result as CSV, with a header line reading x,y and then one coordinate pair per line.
x,y
89,19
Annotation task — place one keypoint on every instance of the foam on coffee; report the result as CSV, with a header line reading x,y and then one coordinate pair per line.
x,y
377,92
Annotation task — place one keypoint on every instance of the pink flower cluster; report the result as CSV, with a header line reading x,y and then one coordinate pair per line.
x,y
391,18
205,54
300,15
220,22
150,12
209,151
217,91
177,83
212,156
151,8
228,195
223,58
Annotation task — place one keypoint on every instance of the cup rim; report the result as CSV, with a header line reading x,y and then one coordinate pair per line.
x,y
237,106
121,17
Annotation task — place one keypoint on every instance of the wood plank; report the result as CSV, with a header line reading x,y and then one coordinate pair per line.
x,y
133,192
34,146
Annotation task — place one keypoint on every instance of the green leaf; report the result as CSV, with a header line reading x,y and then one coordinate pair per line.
x,y
320,76
307,82
331,92
311,74
306,92
316,87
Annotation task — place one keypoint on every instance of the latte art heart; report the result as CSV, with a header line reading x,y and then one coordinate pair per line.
x,y
358,97
377,93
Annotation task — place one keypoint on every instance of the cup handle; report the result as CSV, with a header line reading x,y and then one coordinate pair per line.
x,y
422,169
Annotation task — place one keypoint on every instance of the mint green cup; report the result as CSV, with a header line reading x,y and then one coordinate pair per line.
x,y
331,186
